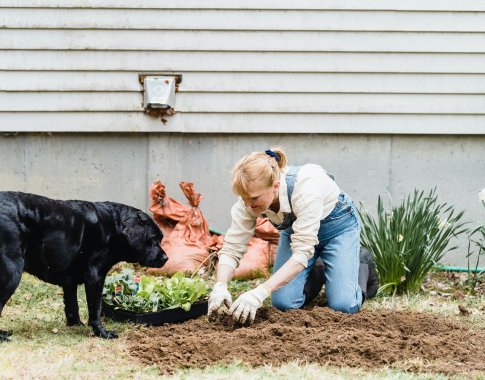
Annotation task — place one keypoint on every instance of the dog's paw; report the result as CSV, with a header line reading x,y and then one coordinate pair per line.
x,y
75,322
105,334
4,336
111,335
108,335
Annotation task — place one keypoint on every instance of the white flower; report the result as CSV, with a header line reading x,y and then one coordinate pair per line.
x,y
481,195
400,238
443,223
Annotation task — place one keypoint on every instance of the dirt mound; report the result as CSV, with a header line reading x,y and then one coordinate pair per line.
x,y
368,339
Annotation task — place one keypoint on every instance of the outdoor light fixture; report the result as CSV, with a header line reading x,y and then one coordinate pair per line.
x,y
159,92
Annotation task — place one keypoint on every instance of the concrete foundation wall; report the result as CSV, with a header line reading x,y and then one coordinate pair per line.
x,y
121,167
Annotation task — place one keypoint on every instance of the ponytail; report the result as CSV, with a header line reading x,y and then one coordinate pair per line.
x,y
281,155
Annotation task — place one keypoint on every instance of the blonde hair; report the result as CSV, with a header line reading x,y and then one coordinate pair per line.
x,y
257,167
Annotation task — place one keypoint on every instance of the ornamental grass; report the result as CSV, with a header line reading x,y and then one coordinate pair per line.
x,y
410,239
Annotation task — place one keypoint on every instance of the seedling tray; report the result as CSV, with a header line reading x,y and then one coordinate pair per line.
x,y
157,318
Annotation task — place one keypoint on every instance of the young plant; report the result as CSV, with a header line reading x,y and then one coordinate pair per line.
x,y
410,239
150,294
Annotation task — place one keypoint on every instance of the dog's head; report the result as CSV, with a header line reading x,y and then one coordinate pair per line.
x,y
142,238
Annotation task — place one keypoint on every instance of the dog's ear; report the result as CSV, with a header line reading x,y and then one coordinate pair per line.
x,y
134,229
129,232
129,223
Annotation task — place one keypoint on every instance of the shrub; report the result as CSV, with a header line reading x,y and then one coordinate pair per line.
x,y
410,239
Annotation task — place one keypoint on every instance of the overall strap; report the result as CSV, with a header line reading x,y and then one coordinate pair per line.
x,y
290,181
290,185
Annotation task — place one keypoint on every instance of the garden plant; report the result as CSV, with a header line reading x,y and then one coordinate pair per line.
x,y
410,239
151,294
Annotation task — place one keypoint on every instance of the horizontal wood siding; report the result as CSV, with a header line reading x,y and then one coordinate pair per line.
x,y
237,41
359,66
419,5
232,20
247,102
244,122
103,81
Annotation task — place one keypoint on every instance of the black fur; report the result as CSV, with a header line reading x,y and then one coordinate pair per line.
x,y
68,243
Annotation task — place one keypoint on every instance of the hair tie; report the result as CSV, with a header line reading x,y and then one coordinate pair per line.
x,y
270,153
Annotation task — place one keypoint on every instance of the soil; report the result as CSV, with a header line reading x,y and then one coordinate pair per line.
x,y
412,341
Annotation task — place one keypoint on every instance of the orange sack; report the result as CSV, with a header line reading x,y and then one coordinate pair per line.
x,y
167,212
187,245
267,232
256,261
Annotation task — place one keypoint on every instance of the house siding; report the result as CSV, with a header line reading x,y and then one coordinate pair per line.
x,y
282,67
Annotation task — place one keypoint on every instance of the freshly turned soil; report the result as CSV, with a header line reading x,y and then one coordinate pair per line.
x,y
418,342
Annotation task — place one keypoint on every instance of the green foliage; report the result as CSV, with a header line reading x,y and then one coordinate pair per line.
x,y
30,293
476,247
408,241
237,287
152,294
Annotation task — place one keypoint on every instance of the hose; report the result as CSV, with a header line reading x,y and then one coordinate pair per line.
x,y
448,268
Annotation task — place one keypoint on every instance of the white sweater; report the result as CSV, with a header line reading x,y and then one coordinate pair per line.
x,y
314,197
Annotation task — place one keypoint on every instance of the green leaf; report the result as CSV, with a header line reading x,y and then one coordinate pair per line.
x,y
154,293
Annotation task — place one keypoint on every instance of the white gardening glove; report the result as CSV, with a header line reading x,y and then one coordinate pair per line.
x,y
219,295
248,303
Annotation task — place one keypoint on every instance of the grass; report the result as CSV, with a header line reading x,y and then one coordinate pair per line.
x,y
42,347
292,371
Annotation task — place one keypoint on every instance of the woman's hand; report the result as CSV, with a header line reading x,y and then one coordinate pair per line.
x,y
219,295
247,304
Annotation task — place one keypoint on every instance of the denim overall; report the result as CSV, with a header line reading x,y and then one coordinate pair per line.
x,y
338,247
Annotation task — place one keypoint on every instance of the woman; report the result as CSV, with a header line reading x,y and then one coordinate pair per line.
x,y
317,221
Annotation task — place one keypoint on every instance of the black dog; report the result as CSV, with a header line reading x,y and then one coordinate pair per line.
x,y
68,243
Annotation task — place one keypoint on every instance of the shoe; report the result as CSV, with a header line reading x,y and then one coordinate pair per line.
x,y
368,277
315,281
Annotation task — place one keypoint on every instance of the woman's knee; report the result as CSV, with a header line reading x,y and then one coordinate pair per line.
x,y
280,303
284,303
350,306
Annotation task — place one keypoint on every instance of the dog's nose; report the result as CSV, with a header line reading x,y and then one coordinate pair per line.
x,y
163,257
157,262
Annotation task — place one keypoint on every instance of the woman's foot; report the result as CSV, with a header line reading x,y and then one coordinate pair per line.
x,y
368,277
